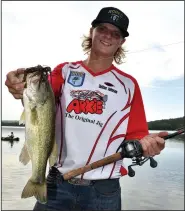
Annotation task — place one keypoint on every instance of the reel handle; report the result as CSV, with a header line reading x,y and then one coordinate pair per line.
x,y
153,163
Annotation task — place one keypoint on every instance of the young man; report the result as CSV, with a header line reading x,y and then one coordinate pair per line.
x,y
98,106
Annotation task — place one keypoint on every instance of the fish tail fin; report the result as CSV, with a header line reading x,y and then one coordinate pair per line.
x,y
35,189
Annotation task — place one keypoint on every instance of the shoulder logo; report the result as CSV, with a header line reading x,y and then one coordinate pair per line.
x,y
108,87
76,78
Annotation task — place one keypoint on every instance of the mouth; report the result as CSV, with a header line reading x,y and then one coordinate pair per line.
x,y
105,43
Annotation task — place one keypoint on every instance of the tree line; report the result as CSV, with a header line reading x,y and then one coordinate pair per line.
x,y
163,124
166,124
14,123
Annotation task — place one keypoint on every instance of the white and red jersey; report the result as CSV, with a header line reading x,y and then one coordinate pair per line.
x,y
95,113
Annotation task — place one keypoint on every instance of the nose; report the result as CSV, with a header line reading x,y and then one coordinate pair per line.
x,y
107,37
108,34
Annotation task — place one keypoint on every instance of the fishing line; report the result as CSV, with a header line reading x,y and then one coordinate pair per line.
x,y
145,49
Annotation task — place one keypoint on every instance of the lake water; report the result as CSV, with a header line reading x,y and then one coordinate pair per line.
x,y
161,188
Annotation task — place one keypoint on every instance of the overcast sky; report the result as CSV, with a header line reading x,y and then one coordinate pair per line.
x,y
49,33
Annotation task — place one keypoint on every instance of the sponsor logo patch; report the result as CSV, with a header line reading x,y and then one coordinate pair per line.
x,y
76,78
87,102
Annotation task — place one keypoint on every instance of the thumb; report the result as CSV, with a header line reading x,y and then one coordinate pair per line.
x,y
20,71
162,134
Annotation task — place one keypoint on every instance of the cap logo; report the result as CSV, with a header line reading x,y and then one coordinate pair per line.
x,y
115,14
114,17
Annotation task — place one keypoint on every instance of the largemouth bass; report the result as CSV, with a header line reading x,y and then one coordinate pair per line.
x,y
39,119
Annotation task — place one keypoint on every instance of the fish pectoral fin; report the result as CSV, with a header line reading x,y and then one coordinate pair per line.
x,y
35,189
24,155
54,155
22,118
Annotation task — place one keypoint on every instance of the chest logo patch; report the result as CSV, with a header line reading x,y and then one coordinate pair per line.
x,y
76,78
87,102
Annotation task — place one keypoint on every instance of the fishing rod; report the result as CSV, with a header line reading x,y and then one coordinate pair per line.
x,y
129,149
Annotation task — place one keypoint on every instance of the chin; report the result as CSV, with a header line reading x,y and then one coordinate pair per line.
x,y
104,53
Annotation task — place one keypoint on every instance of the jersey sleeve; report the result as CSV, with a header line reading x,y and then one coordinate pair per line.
x,y
137,125
56,79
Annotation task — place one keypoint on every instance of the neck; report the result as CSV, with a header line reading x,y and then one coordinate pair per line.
x,y
98,63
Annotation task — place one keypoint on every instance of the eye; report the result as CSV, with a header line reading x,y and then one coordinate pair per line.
x,y
116,35
101,28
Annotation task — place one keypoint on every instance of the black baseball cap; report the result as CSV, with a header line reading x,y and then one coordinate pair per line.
x,y
113,16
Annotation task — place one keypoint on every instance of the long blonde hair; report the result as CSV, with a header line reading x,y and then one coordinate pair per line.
x,y
119,56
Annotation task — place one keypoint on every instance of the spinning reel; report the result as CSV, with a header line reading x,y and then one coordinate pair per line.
x,y
133,149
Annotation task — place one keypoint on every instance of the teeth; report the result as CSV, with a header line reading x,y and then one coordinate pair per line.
x,y
105,43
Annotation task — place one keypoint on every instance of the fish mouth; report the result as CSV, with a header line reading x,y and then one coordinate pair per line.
x,y
40,71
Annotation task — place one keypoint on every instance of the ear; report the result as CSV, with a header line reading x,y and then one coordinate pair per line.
x,y
122,41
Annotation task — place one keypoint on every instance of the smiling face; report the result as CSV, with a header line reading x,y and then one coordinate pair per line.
x,y
106,39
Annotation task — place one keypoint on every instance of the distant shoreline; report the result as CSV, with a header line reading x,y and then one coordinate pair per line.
x,y
163,124
11,126
4,125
